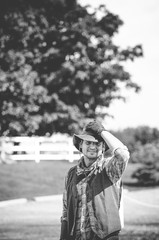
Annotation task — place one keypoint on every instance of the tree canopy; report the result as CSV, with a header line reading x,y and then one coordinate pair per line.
x,y
58,65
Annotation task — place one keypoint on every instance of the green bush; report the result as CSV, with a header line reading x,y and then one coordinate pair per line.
x,y
147,175
148,155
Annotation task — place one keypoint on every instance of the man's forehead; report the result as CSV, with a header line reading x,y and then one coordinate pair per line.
x,y
92,141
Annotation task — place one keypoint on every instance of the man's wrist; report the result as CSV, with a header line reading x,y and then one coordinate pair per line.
x,y
102,132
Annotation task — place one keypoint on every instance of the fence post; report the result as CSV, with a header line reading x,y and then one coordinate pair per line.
x,y
37,149
71,150
6,150
3,154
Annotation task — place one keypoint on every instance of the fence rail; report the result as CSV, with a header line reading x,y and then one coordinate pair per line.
x,y
57,147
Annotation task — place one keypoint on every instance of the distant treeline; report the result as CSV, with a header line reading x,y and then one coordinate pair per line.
x,y
143,144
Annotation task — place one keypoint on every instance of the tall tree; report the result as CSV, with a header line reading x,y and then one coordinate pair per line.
x,y
58,65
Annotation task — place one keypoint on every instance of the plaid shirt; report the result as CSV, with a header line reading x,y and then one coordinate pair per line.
x,y
83,226
114,167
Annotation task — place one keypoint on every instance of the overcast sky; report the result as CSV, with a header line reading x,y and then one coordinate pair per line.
x,y
141,19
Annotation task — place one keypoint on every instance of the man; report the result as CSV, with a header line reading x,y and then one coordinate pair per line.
x,y
92,195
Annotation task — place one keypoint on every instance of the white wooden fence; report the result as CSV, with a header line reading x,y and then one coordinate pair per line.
x,y
56,147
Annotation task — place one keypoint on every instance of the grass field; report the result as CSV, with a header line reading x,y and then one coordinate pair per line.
x,y
29,179
40,220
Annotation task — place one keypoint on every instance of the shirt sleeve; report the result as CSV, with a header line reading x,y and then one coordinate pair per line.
x,y
64,210
117,164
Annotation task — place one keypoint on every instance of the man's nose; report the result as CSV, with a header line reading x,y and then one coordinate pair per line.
x,y
93,145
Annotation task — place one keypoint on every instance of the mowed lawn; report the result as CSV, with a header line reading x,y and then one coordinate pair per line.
x,y
27,179
41,220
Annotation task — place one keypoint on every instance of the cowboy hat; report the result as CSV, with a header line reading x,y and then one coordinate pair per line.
x,y
87,136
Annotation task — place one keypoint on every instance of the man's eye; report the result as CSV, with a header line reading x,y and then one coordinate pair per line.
x,y
98,144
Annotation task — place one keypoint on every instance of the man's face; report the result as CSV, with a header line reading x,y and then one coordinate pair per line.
x,y
91,150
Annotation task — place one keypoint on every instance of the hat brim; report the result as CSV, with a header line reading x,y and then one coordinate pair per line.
x,y
77,139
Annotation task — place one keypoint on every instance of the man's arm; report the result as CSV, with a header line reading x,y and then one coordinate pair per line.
x,y
117,163
112,142
63,233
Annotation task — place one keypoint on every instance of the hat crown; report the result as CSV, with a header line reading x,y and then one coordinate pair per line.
x,y
87,132
86,135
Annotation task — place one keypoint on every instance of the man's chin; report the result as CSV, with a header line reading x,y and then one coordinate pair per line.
x,y
92,156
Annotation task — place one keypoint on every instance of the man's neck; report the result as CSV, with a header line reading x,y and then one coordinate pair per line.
x,y
89,161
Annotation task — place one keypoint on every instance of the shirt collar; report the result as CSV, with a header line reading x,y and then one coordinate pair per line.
x,y
81,168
